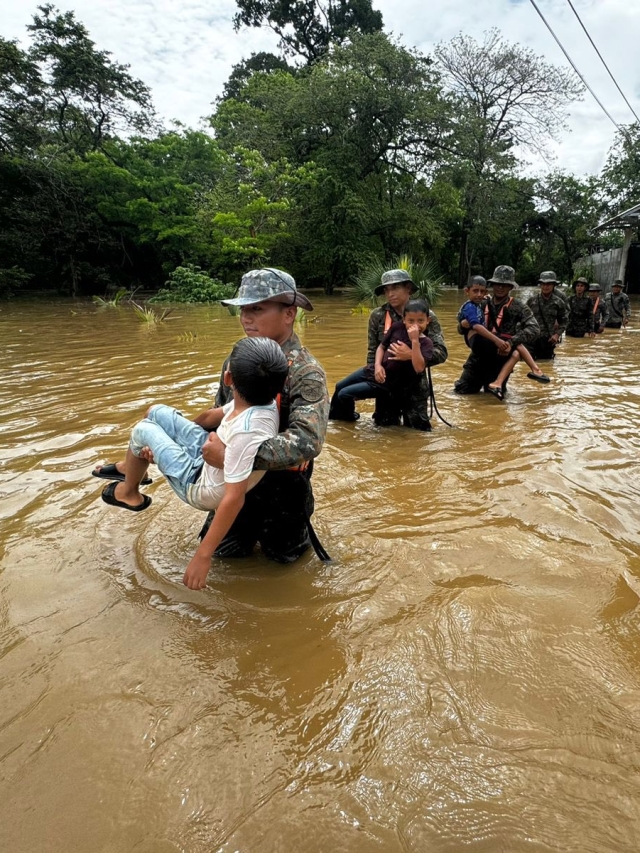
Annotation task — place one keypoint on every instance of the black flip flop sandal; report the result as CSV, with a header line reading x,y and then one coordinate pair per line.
x,y
109,471
109,497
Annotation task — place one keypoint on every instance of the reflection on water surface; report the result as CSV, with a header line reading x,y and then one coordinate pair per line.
x,y
464,675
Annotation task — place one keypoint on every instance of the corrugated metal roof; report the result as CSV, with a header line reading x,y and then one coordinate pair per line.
x,y
627,217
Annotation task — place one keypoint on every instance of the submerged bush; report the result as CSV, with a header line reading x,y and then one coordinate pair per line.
x,y
12,279
191,284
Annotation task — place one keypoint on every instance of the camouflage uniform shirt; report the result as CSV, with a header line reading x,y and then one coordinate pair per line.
x,y
377,322
304,411
518,321
548,313
600,312
580,316
618,307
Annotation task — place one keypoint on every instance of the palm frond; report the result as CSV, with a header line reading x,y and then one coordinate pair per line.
x,y
424,275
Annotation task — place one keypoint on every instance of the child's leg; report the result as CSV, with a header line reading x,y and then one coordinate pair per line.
x,y
506,371
528,358
176,444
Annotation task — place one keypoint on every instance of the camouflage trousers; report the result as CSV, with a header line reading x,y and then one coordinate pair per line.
x,y
542,348
274,514
410,410
481,368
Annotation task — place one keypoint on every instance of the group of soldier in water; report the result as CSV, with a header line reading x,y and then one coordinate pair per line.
x,y
404,341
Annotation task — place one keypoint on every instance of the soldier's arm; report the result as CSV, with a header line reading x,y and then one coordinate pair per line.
x,y
563,316
626,307
590,318
440,352
605,313
308,416
374,338
528,329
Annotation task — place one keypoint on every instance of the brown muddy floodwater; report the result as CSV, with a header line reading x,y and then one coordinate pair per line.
x,y
464,676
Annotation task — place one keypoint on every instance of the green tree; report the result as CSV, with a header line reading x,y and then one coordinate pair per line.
x,y
504,98
366,116
621,173
309,28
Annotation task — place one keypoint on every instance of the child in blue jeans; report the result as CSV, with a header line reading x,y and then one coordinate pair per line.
x,y
257,372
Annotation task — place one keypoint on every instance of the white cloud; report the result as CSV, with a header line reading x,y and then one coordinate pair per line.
x,y
185,51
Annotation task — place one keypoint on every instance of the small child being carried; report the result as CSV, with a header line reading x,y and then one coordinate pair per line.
x,y
257,372
471,318
400,359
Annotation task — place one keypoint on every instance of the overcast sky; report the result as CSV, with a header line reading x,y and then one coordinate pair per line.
x,y
184,50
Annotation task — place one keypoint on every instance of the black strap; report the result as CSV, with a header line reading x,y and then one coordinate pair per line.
x,y
316,543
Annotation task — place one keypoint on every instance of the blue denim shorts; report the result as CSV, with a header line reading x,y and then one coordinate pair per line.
x,y
176,444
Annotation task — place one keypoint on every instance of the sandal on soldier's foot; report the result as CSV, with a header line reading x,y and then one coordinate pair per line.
x,y
497,392
109,471
109,497
539,377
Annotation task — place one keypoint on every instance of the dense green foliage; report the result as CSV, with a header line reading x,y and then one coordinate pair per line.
x,y
191,284
345,151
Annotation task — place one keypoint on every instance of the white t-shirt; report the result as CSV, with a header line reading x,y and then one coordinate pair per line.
x,y
241,435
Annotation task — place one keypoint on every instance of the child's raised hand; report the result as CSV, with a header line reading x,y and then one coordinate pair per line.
x,y
414,332
380,374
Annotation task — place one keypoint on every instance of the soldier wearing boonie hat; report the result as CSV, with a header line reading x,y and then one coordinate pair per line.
x,y
396,285
509,320
276,511
269,285
618,306
580,320
550,311
598,308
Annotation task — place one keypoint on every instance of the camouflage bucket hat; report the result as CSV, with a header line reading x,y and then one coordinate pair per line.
x,y
594,286
504,275
580,280
394,277
548,277
268,285
617,283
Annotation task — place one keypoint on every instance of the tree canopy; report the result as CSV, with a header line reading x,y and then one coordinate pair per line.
x,y
346,147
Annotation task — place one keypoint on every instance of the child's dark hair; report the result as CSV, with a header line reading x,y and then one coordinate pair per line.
x,y
258,370
418,305
476,279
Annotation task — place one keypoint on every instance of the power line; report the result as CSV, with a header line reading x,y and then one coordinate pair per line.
x,y
573,65
602,60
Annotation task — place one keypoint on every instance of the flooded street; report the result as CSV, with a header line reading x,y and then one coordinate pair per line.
x,y
464,676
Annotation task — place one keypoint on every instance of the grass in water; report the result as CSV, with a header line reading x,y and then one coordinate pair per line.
x,y
149,316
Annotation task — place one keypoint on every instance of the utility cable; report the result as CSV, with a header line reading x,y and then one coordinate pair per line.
x,y
602,60
575,68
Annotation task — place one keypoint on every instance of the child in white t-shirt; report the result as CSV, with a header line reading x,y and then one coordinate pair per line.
x,y
257,372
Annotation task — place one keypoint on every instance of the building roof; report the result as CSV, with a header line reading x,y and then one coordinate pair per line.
x,y
626,218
